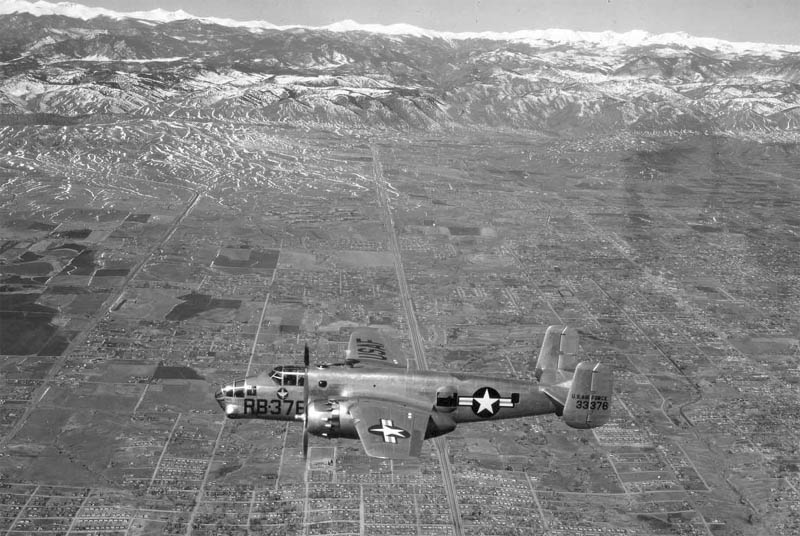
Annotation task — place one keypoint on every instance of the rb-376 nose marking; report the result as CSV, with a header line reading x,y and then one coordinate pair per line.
x,y
262,406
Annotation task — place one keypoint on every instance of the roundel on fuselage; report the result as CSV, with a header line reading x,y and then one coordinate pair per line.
x,y
486,402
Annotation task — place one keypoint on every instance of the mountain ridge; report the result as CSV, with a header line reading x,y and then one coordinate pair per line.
x,y
54,65
531,36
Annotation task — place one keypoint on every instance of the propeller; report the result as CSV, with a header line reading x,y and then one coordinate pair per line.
x,y
306,360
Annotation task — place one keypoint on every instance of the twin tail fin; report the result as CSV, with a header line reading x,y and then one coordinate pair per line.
x,y
581,391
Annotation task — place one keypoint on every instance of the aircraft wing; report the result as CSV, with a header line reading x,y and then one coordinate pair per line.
x,y
389,429
370,347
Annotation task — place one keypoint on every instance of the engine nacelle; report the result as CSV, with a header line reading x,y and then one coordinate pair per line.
x,y
325,418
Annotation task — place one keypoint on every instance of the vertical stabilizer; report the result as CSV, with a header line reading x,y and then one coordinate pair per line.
x,y
559,350
588,403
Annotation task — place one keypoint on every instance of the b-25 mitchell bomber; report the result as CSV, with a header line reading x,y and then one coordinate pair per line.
x,y
374,397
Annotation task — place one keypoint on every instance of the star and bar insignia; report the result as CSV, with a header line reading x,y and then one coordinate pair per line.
x,y
389,431
486,402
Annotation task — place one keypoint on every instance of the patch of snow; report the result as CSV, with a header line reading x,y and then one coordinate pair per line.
x,y
78,11
23,87
390,29
101,58
289,79
228,77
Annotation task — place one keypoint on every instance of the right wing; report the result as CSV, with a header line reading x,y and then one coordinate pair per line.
x,y
371,348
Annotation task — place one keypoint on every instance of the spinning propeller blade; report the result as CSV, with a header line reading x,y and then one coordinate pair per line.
x,y
306,360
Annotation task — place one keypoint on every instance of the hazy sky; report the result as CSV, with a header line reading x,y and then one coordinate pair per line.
x,y
768,21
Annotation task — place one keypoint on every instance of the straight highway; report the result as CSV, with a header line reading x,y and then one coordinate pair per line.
x,y
413,328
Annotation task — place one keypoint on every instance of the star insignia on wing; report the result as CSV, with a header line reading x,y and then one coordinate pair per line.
x,y
389,431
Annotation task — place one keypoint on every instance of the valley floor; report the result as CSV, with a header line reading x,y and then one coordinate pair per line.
x,y
143,264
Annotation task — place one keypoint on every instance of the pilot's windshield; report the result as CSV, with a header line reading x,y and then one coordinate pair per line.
x,y
288,375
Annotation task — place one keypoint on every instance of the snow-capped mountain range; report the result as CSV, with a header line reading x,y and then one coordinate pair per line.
x,y
534,37
65,59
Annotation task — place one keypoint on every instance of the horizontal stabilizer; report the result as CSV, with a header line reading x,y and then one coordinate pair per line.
x,y
588,404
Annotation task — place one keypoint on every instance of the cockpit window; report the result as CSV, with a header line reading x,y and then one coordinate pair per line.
x,y
288,375
239,389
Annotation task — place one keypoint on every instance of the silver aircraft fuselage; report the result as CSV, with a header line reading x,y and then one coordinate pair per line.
x,y
472,397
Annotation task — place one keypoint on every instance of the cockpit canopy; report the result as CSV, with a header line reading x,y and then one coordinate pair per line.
x,y
288,375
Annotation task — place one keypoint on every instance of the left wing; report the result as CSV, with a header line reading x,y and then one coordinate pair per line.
x,y
371,347
389,429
